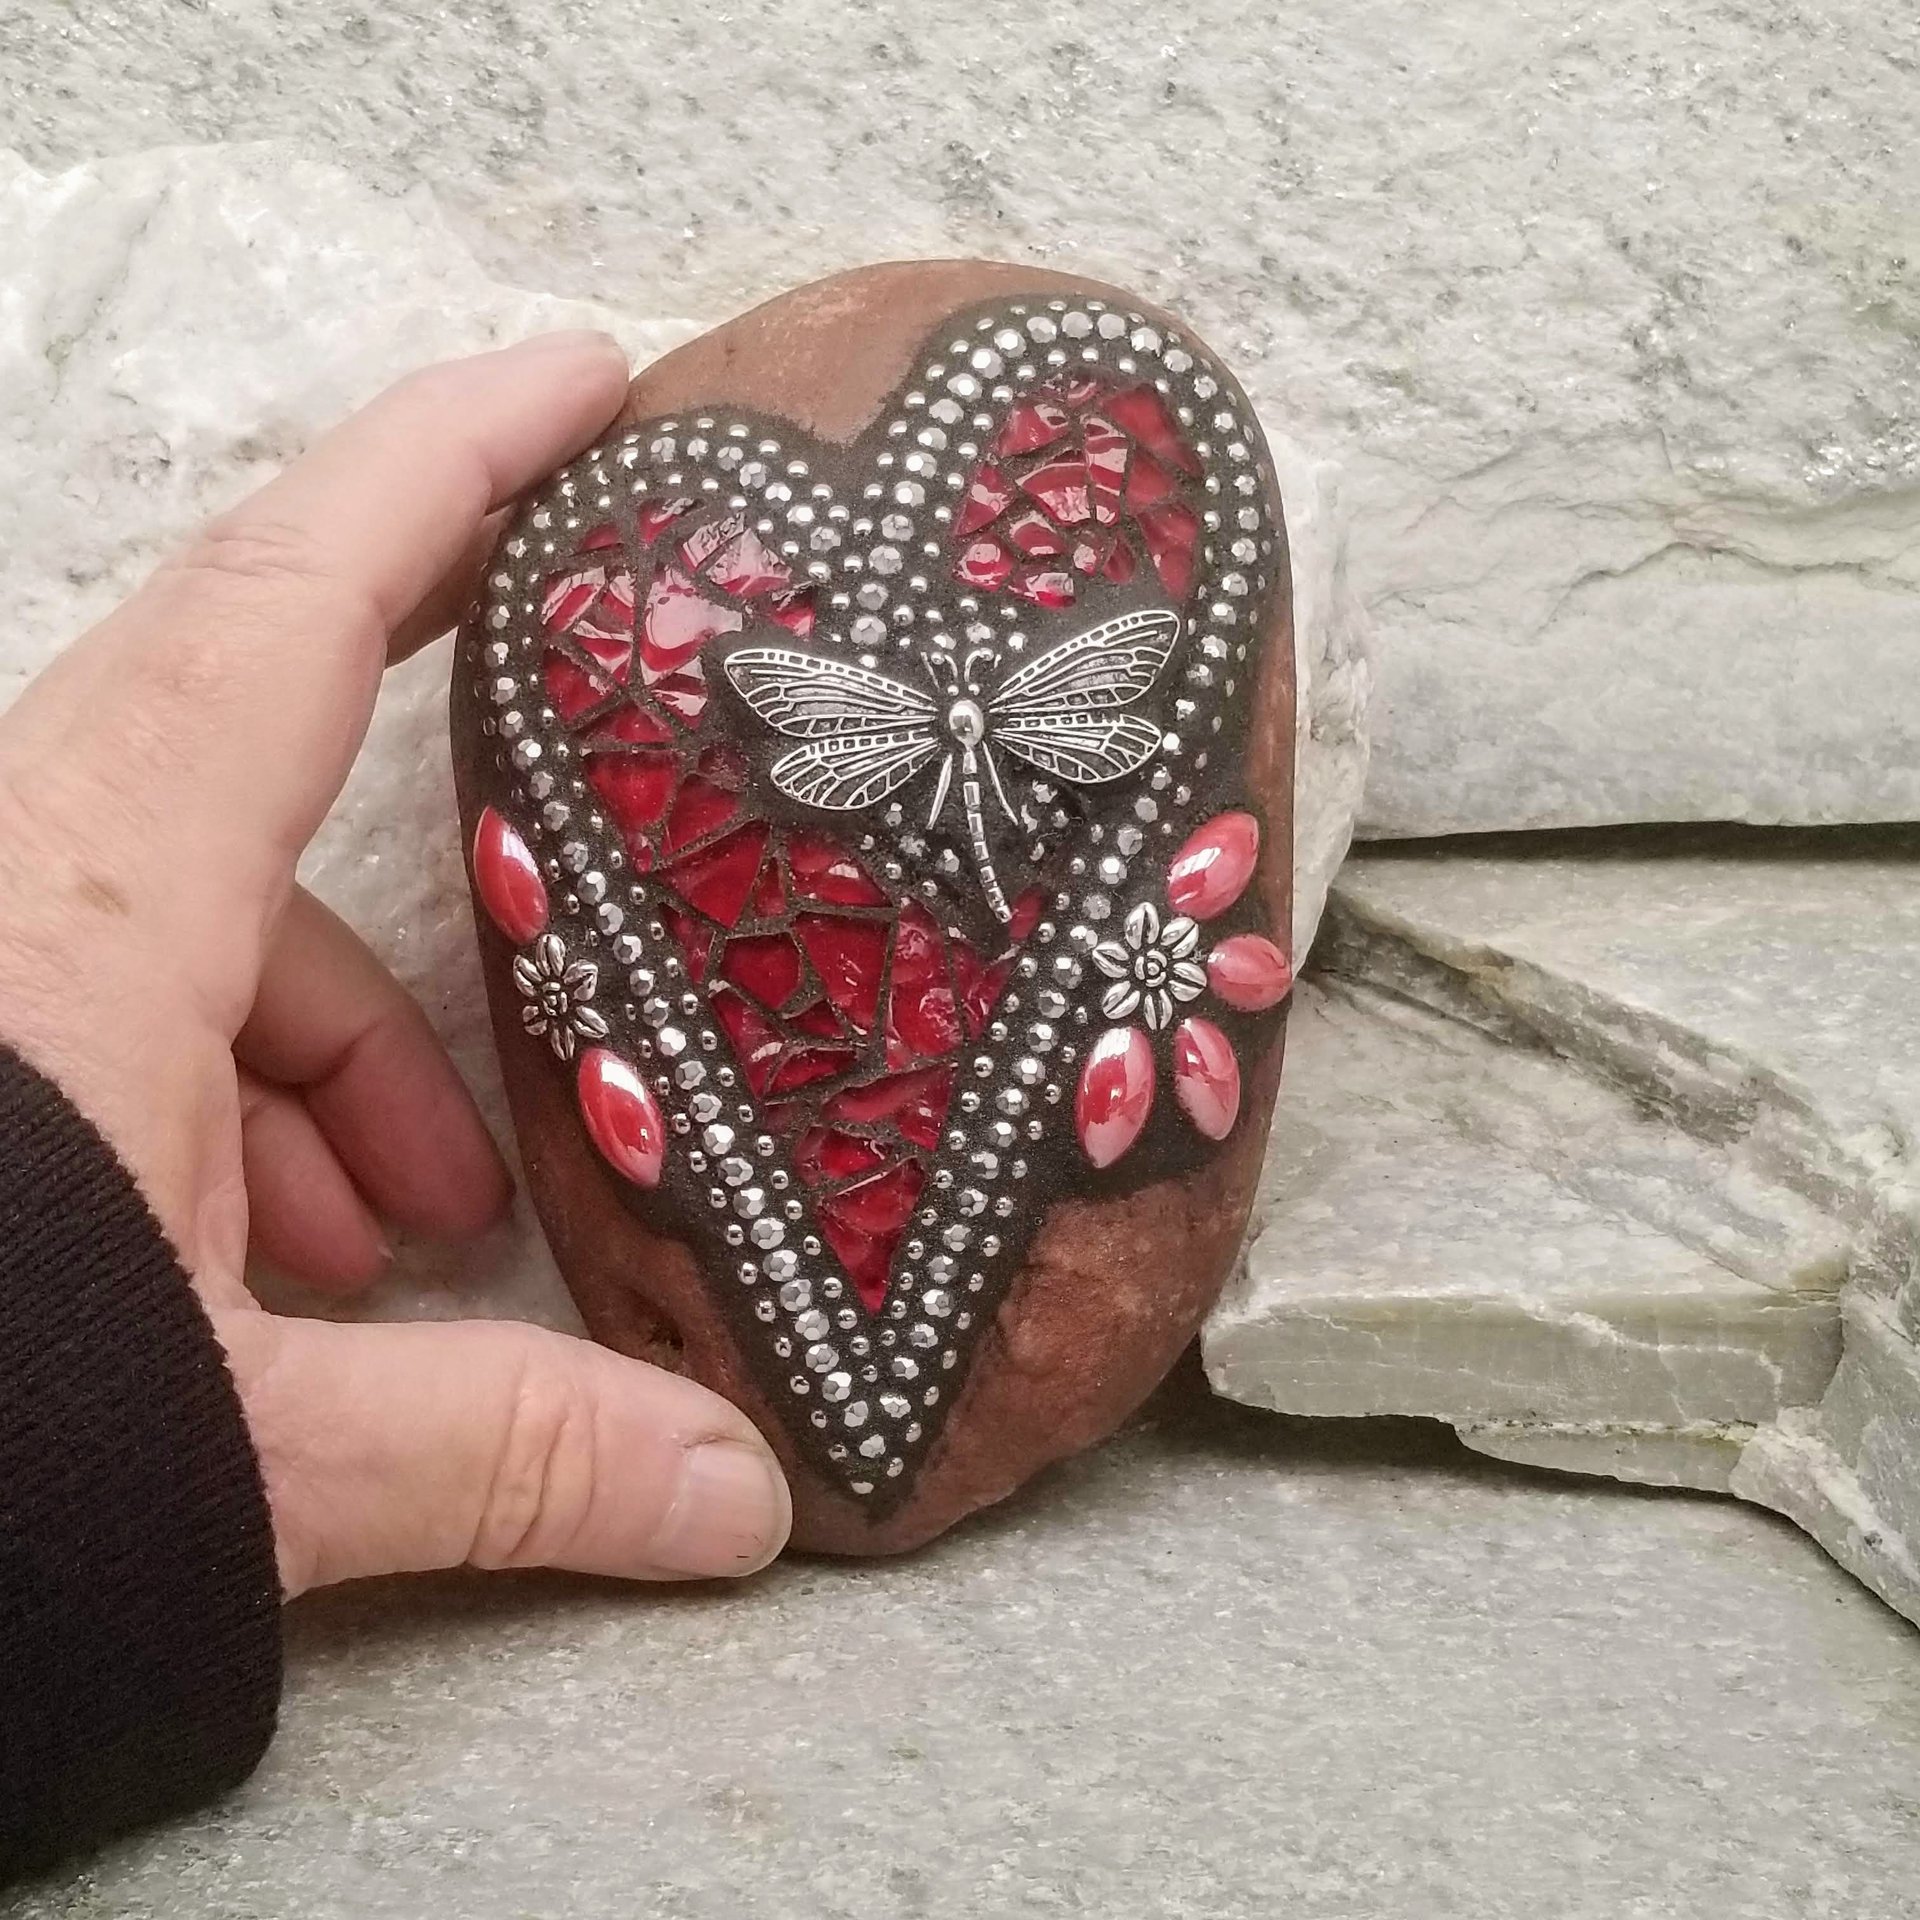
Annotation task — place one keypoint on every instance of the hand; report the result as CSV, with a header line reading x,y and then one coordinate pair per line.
x,y
258,1070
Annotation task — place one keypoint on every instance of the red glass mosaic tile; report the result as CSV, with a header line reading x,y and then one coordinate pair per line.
x,y
1061,487
569,595
793,610
913,1104
770,893
756,1042
700,809
818,1020
705,541
1036,536
805,1065
1043,586
863,1224
1171,533
571,690
765,965
822,871
683,694
628,727
693,936
922,1019
850,958
1031,425
636,790
679,620
1143,413
989,493
656,516
746,569
825,1153
719,879
985,564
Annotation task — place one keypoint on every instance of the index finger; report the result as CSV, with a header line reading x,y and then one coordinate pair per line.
x,y
227,698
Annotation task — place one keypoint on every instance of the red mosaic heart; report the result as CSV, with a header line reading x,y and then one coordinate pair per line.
x,y
857,814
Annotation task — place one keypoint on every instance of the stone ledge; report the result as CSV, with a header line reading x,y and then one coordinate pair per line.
x,y
1603,1152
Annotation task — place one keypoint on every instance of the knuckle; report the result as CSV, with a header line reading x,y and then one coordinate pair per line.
x,y
433,388
541,1487
249,546
252,564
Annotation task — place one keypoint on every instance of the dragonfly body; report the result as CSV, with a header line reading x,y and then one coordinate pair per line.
x,y
967,722
864,734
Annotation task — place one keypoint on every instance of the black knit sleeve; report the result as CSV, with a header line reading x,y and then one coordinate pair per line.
x,y
139,1604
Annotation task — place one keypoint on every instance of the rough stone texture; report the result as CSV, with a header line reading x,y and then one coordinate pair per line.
x,y
1610,315
1230,1666
1845,1469
1464,1229
1604,1152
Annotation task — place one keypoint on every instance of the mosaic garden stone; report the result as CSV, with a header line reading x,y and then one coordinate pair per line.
x,y
876,764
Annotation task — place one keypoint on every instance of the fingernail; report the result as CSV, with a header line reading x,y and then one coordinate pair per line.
x,y
730,1515
570,340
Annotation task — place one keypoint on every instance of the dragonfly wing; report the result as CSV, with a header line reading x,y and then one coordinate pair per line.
x,y
811,696
852,770
1084,749
1099,671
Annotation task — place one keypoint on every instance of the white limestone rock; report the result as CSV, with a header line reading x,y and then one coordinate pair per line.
x,y
1333,673
1454,1226
1609,315
176,325
1607,1155
1848,1468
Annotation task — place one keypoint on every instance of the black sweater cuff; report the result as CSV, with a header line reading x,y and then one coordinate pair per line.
x,y
139,1601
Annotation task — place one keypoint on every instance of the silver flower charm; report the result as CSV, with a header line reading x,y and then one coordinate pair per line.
x,y
557,996
1151,966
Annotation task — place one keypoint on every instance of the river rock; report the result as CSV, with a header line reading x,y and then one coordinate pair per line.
x,y
876,759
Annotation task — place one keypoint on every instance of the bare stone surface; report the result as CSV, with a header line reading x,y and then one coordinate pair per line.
x,y
1230,1666
1605,1152
1610,315
1459,1228
1845,1468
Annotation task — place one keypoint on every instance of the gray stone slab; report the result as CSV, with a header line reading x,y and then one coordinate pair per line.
x,y
1456,1227
1231,1665
1848,1468
1609,315
1605,1151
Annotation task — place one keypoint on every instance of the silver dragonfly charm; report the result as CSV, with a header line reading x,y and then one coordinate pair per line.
x,y
867,734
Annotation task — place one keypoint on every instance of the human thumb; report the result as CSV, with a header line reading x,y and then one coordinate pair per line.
x,y
394,1448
